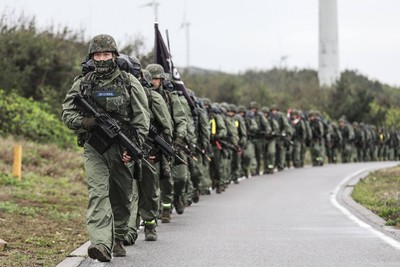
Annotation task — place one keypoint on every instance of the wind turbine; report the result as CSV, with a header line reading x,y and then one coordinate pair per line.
x,y
185,24
154,4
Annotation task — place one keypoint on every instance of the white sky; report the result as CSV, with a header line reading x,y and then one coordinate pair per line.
x,y
234,36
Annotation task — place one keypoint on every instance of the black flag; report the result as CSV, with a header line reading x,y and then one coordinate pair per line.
x,y
163,57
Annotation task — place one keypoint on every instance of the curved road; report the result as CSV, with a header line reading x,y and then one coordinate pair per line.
x,y
291,218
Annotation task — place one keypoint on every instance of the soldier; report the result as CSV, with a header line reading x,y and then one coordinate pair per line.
x,y
149,187
283,136
249,163
199,169
299,137
232,152
171,185
270,142
242,131
263,130
109,175
336,143
347,133
218,132
317,130
359,142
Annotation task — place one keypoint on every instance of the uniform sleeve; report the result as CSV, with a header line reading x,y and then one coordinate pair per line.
x,y
204,128
71,115
190,130
161,113
139,104
179,118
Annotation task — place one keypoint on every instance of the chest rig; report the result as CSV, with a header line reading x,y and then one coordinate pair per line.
x,y
112,96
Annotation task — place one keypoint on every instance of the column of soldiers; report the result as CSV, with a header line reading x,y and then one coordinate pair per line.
x,y
212,144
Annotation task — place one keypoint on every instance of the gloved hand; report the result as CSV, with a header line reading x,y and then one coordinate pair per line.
x,y
178,142
89,123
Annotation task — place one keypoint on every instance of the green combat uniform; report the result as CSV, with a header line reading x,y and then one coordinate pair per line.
x,y
336,143
199,169
347,133
218,132
233,140
263,130
177,113
183,187
299,137
317,129
249,162
270,143
284,137
109,179
242,132
149,186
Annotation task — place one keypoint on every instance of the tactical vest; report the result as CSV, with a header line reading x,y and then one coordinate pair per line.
x,y
113,98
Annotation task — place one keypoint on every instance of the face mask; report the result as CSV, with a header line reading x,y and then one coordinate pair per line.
x,y
104,66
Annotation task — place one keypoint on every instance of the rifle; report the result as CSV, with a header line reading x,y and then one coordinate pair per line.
x,y
165,147
203,153
187,151
228,145
108,132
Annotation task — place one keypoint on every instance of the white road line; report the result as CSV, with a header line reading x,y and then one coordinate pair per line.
x,y
389,240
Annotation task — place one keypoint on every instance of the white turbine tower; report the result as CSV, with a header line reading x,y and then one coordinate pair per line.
x,y
185,24
328,69
155,5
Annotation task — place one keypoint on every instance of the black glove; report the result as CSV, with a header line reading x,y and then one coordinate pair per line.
x,y
89,123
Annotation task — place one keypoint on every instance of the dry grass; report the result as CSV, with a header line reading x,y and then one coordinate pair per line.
x,y
42,217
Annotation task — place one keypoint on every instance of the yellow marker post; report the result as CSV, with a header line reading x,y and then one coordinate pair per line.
x,y
17,166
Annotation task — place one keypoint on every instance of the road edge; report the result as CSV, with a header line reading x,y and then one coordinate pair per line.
x,y
345,199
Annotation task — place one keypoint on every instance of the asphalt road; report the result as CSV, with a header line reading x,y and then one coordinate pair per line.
x,y
292,218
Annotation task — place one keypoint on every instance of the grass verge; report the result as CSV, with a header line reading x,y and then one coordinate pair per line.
x,y
380,193
42,216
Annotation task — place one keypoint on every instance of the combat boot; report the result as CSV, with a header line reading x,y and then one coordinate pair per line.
x,y
166,215
119,250
196,196
178,204
99,252
150,233
218,189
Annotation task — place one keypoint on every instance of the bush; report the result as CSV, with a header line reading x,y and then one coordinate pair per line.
x,y
24,117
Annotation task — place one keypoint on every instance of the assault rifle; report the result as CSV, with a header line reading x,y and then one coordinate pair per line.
x,y
165,147
203,153
108,131
227,145
187,151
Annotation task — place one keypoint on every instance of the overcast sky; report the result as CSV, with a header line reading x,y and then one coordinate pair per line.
x,y
234,36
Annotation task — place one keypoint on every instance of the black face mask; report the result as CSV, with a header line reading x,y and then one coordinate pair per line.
x,y
104,66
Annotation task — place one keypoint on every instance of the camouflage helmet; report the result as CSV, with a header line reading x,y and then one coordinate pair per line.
x,y
253,104
265,109
156,71
146,75
274,107
206,101
224,105
233,108
102,43
241,108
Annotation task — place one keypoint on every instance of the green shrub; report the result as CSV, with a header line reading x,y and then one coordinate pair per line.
x,y
24,117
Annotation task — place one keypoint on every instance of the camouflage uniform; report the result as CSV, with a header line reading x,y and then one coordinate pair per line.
x,y
270,143
109,178
299,137
249,162
177,113
317,130
347,133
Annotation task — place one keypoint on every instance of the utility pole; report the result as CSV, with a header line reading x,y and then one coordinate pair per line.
x,y
328,67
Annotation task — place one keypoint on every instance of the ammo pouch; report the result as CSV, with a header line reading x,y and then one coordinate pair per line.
x,y
102,139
